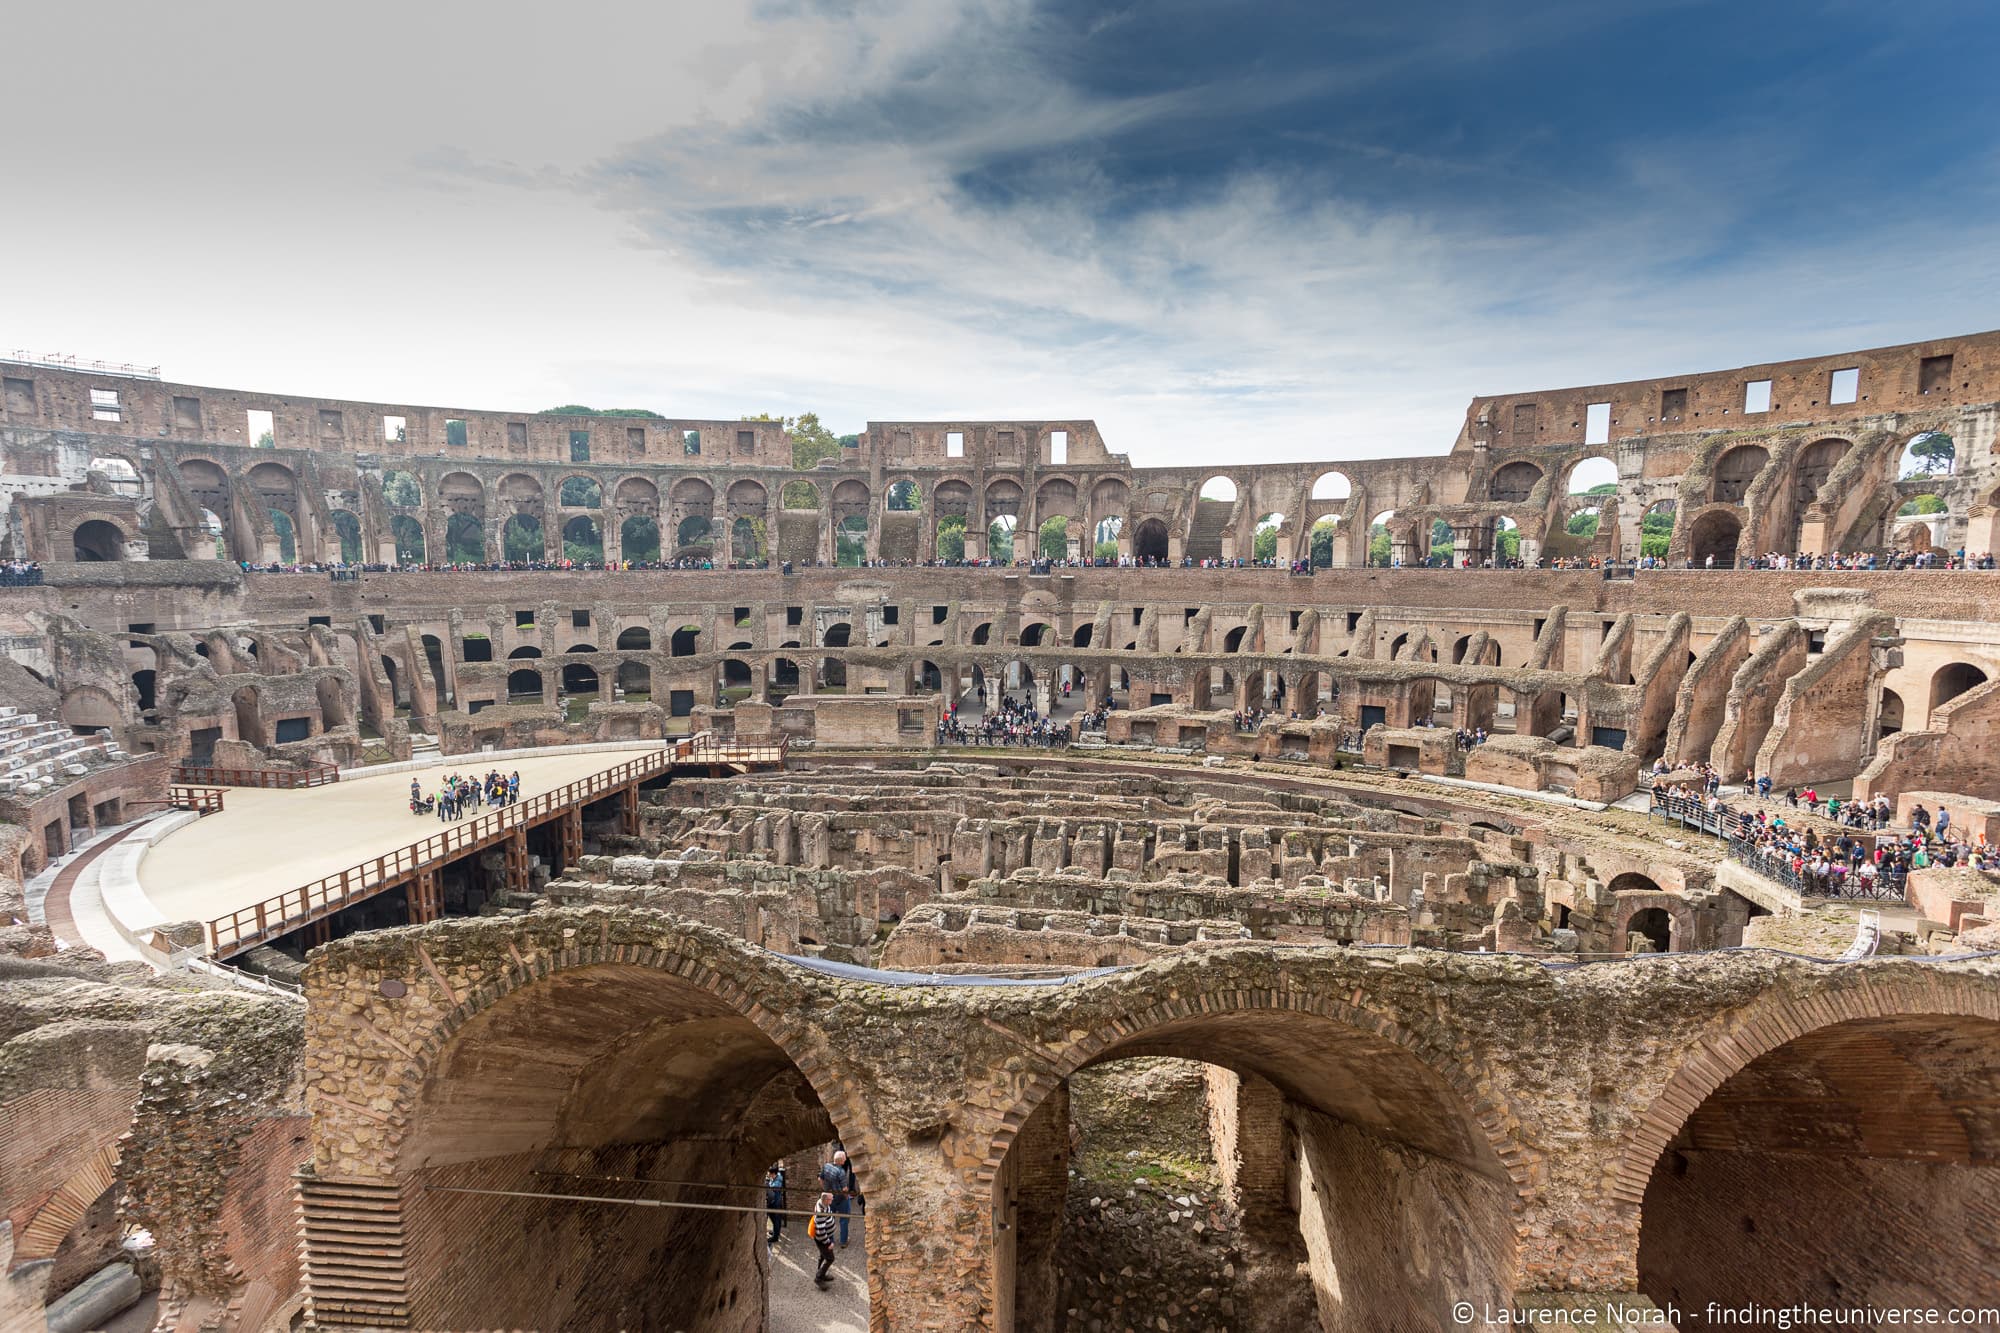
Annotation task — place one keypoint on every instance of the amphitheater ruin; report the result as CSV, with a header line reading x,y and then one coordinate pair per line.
x,y
1545,881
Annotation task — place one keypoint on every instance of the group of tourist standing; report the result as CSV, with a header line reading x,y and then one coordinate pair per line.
x,y
459,796
839,1195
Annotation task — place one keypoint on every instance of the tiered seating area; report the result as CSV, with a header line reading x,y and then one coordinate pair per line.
x,y
37,757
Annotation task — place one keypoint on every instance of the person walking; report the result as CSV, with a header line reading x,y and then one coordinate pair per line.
x,y
821,1230
774,1202
837,1178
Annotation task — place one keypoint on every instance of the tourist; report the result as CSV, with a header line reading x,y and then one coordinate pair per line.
x,y
774,1202
838,1179
821,1231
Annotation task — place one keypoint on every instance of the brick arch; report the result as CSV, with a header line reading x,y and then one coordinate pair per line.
x,y
65,1206
743,995
1631,902
1739,1037
1430,1050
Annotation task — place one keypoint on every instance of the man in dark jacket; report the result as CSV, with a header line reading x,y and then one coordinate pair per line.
x,y
774,1203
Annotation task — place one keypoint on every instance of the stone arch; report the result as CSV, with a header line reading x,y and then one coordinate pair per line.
x,y
521,538
1733,1040
798,495
1345,1063
520,492
583,539
1814,464
99,540
523,683
1953,679
903,496
1714,532
639,538
1150,540
1735,470
636,495
347,531
1334,485
580,492
1513,482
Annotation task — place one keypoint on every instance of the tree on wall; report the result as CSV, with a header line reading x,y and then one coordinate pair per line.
x,y
951,537
1582,525
1922,504
1320,541
579,410
1929,454
267,441
811,441
400,488
798,495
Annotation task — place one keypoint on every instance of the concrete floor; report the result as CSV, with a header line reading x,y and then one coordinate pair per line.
x,y
265,842
798,1305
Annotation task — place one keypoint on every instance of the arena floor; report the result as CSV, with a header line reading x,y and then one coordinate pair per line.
x,y
265,842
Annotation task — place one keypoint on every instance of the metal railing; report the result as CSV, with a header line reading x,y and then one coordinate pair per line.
x,y
286,779
1887,885
1687,811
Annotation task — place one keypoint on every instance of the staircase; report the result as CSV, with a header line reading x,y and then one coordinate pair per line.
x,y
1205,534
36,757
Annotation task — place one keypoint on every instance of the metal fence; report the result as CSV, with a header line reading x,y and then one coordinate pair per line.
x,y
1886,886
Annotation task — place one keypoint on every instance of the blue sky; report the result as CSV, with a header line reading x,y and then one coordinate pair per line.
x,y
1285,231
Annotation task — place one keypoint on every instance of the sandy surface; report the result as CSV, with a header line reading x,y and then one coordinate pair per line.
x,y
265,842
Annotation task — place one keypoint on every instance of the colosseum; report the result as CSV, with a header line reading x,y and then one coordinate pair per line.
x,y
453,858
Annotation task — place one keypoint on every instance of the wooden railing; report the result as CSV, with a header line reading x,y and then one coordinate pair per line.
x,y
201,800
313,775
709,748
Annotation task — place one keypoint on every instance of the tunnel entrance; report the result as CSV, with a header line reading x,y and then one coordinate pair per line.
x,y
582,1103
1853,1166
1346,1185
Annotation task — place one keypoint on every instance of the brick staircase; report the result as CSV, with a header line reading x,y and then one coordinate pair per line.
x,y
1205,534
37,757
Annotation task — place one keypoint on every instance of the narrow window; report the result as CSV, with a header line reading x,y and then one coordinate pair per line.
x,y
517,435
524,619
938,613
187,413
1844,386
1757,396
579,446
954,444
795,615
104,405
1934,374
746,441
1597,423
691,442
635,439
890,615
262,428
579,619
395,430
1058,447
455,433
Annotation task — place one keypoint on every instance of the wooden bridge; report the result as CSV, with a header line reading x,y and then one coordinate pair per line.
x,y
417,865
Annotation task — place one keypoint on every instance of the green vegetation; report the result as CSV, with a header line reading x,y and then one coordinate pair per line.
x,y
521,539
1107,550
641,539
1379,547
1264,546
1656,530
1055,538
811,441
1932,453
951,537
1320,541
1922,504
1583,525
400,488
579,410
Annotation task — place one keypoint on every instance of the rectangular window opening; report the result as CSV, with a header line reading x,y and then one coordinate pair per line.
x,y
1058,447
1673,404
1138,614
261,428
104,405
455,433
187,413
635,439
795,615
1844,386
517,435
954,444
1524,419
579,446
579,620
891,614
395,430
331,426
691,442
1757,396
20,395
746,441
741,617
938,613
1597,423
1934,374
524,619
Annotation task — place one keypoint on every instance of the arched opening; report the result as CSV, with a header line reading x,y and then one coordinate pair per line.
x,y
409,537
1218,488
1513,483
1000,539
798,495
1931,454
735,681
521,539
524,685
1816,463
1889,716
1851,1166
683,643
1735,470
1149,542
97,540
635,681
1270,531
1952,680
347,528
142,685
1104,541
579,679
616,1071
746,539
1332,486
250,718
951,501
465,540
124,478
1052,538
580,493
1083,635
1381,545
1293,1121
287,534
639,539
637,639
904,497
525,651
583,541
1654,926
1319,542
1214,502
1656,529
1712,540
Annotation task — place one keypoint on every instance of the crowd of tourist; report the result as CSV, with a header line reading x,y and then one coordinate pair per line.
x,y
20,574
1015,722
459,795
